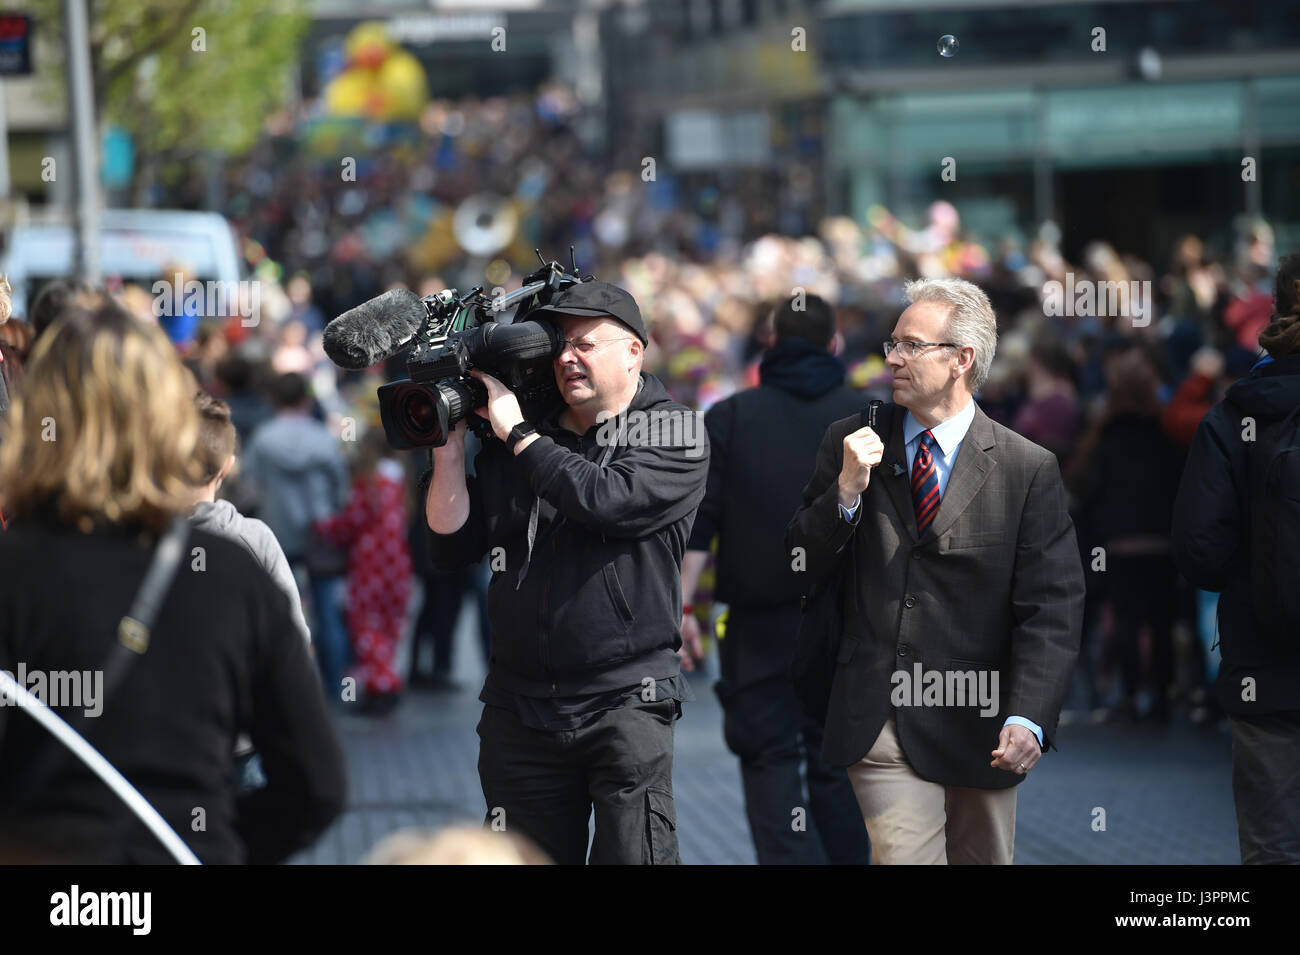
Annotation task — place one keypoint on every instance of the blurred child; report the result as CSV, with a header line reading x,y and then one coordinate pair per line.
x,y
216,455
373,528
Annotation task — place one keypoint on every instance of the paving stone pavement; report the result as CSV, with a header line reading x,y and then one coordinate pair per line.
x,y
1166,794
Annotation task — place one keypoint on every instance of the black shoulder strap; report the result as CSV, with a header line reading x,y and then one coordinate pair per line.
x,y
133,635
133,630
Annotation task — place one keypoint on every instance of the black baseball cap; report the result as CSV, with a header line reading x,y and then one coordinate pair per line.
x,y
592,299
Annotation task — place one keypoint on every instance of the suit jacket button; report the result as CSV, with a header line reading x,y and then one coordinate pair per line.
x,y
902,651
909,602
916,555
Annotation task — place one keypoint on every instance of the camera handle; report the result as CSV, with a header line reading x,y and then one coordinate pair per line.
x,y
503,302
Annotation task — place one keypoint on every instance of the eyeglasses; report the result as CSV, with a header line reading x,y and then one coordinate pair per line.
x,y
909,350
585,348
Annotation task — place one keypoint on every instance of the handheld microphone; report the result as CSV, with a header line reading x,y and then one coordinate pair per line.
x,y
873,411
374,330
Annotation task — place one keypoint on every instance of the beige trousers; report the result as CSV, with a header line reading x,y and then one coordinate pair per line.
x,y
913,821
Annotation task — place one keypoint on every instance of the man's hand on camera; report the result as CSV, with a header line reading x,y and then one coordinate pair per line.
x,y
502,408
455,444
446,505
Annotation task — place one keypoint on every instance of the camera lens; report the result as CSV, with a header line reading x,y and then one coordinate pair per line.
x,y
419,417
421,412
460,397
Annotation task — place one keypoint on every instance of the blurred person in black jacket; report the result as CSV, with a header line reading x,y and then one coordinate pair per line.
x,y
763,446
1259,679
1126,472
223,657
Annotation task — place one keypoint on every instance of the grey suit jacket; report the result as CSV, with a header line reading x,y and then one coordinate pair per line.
x,y
996,588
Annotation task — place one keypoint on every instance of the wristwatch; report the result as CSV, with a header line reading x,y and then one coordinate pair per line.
x,y
520,431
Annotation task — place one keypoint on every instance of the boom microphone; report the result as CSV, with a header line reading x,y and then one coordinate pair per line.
x,y
374,330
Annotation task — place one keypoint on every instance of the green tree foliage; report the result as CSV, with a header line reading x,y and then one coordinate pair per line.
x,y
180,91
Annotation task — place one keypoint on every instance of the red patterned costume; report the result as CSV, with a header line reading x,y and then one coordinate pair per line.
x,y
373,528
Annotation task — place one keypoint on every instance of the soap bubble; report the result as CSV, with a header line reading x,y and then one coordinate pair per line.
x,y
948,45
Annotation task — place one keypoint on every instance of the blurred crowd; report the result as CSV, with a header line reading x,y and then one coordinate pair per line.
x,y
1116,398
283,453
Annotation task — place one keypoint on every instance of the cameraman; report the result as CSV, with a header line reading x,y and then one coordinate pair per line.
x,y
586,527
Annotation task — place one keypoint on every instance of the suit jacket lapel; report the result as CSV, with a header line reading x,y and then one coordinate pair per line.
x,y
969,473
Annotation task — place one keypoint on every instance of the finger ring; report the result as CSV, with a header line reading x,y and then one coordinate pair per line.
x,y
1022,767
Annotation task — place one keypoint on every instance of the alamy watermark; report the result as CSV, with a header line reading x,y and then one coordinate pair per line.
x,y
1084,297
59,688
133,910
210,299
676,428
946,688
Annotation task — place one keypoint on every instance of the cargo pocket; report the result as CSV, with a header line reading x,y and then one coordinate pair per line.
x,y
661,828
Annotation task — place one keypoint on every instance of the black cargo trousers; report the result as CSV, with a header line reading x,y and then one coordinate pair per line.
x,y
544,785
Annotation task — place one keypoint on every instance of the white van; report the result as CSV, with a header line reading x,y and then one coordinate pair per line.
x,y
136,245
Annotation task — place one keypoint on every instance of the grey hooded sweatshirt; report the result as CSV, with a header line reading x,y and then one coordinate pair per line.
x,y
220,517
298,474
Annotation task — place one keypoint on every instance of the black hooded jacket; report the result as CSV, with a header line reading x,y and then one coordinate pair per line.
x,y
595,603
763,448
1211,545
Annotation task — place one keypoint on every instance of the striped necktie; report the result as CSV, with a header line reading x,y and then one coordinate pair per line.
x,y
925,485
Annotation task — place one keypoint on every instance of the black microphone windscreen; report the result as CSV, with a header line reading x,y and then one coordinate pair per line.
x,y
374,330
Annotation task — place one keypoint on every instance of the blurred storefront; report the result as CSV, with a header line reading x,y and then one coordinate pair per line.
x,y
727,99
1142,140
1139,133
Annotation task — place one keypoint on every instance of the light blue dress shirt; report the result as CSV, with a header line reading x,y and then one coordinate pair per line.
x,y
948,435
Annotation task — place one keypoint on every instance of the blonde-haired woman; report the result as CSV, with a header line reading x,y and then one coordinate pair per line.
x,y
97,461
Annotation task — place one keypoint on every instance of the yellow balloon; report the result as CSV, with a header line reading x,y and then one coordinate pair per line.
x,y
404,86
349,92
382,82
368,40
